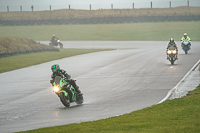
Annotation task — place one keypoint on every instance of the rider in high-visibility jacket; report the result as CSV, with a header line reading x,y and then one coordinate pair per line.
x,y
185,37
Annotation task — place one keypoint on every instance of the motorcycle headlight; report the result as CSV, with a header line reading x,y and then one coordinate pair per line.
x,y
169,51
174,51
56,88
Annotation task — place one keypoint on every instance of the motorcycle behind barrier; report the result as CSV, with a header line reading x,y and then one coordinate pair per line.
x,y
66,92
172,55
185,46
56,43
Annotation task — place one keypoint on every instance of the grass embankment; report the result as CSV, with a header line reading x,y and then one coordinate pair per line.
x,y
25,60
12,44
159,31
70,13
174,116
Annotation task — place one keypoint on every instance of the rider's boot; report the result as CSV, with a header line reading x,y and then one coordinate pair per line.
x,y
77,90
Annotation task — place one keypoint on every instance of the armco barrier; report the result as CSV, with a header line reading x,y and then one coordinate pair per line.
x,y
101,20
6,54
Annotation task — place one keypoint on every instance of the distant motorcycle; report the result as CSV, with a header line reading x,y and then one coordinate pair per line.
x,y
172,55
185,46
68,94
56,43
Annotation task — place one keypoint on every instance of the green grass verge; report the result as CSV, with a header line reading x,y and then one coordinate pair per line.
x,y
174,116
25,60
159,31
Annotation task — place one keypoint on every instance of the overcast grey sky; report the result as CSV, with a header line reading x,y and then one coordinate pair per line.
x,y
96,4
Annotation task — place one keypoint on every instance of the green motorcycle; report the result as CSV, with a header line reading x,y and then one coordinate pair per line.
x,y
66,92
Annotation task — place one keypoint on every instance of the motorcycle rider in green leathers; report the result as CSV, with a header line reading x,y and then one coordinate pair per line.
x,y
60,72
185,37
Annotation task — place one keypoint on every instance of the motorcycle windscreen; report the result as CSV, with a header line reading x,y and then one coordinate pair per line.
x,y
57,80
185,42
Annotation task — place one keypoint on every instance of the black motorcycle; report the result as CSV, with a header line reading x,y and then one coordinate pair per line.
x,y
56,42
172,54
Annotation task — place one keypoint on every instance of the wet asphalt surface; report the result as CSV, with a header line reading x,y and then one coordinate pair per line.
x,y
134,76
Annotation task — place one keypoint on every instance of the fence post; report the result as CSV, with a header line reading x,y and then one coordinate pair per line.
x,y
151,4
188,3
111,6
7,8
69,6
170,4
50,7
32,8
90,7
21,8
133,5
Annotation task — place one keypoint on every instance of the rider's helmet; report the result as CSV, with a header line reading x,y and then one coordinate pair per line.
x,y
55,68
171,40
185,35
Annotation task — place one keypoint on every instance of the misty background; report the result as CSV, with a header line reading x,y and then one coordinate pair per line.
x,y
41,5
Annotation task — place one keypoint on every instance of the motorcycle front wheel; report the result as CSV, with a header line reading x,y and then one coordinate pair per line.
x,y
186,51
65,100
172,61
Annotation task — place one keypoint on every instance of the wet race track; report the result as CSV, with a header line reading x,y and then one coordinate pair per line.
x,y
134,76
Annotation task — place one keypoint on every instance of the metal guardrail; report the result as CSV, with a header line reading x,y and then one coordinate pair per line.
x,y
6,54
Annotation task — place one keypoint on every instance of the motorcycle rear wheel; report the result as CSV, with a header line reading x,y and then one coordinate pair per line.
x,y
61,45
79,99
65,100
